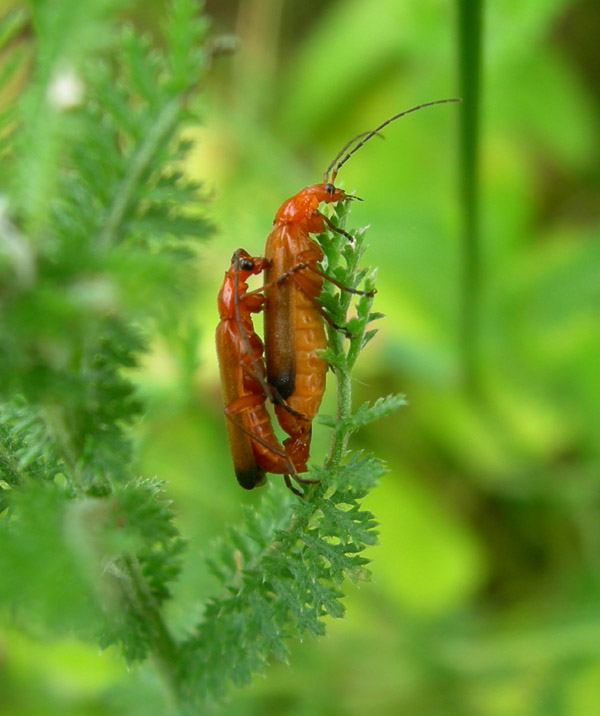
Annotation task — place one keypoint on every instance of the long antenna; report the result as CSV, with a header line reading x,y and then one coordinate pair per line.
x,y
345,148
367,135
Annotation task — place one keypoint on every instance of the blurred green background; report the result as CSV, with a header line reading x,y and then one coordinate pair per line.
x,y
486,597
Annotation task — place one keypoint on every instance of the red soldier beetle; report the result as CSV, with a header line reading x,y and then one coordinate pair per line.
x,y
254,447
294,328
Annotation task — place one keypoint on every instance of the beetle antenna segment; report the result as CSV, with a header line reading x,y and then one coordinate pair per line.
x,y
345,148
336,165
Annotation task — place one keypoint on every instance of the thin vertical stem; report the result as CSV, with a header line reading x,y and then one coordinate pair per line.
x,y
139,162
469,37
339,438
164,652
259,28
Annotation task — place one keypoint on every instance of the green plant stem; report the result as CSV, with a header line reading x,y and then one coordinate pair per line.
x,y
137,592
166,119
56,423
469,36
341,434
165,652
343,371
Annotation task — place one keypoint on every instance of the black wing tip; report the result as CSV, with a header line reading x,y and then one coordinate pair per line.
x,y
283,382
251,477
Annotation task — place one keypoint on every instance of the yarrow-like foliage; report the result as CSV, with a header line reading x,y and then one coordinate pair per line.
x,y
96,239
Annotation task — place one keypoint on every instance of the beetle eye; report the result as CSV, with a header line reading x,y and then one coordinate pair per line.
x,y
247,265
329,188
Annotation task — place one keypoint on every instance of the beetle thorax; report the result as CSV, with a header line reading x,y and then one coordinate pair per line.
x,y
303,206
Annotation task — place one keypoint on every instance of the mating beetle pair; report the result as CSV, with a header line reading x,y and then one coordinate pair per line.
x,y
294,376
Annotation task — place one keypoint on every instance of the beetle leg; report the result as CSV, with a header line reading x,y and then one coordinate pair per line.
x,y
301,480
274,449
288,484
323,313
242,403
336,229
273,394
309,260
341,286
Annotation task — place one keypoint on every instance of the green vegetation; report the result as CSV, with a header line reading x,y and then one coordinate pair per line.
x,y
130,170
97,248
